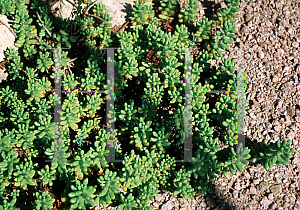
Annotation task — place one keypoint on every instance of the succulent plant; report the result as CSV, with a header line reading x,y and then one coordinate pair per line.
x,y
109,184
43,201
23,175
82,195
272,153
158,95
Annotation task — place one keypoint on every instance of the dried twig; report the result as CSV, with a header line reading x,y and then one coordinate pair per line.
x,y
123,26
71,3
9,28
69,65
89,7
114,30
43,24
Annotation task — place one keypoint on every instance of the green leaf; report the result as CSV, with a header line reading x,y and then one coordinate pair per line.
x,y
73,200
239,166
71,194
278,144
37,124
68,44
162,16
63,32
231,169
281,161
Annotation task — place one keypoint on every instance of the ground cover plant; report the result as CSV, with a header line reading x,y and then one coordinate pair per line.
x,y
149,107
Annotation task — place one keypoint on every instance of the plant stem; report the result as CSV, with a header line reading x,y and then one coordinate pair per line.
x,y
43,24
114,30
89,7
9,28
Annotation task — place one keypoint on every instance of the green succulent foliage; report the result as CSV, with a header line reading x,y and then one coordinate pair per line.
x,y
7,140
160,139
72,103
129,68
142,13
19,115
45,129
4,183
216,46
141,133
188,12
29,50
225,75
155,94
86,128
70,118
8,160
22,27
98,9
5,205
142,204
68,82
81,163
57,153
44,62
82,195
229,31
128,115
155,122
181,184
43,201
15,65
226,109
235,160
229,13
128,202
146,192
63,37
47,176
168,45
24,137
24,174
45,24
175,95
8,7
109,184
203,27
205,163
92,67
162,172
93,104
8,96
221,40
154,84
168,8
183,127
36,89
137,170
88,83
272,153
182,33
102,27
203,186
146,110
172,74
63,58
99,154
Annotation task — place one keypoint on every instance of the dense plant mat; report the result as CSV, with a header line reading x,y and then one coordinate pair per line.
x,y
149,107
